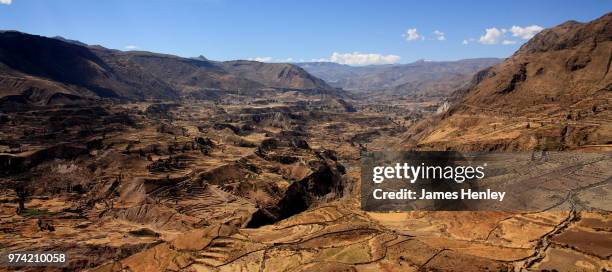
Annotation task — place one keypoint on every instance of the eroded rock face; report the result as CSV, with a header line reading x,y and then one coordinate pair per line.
x,y
325,180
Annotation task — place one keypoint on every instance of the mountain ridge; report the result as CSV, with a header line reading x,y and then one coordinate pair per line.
x,y
39,67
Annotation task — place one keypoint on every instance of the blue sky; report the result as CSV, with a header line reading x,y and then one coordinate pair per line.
x,y
379,31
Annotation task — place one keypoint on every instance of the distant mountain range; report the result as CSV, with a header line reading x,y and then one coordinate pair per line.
x,y
41,70
421,78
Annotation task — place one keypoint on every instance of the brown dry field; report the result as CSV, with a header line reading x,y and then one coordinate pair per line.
x,y
255,185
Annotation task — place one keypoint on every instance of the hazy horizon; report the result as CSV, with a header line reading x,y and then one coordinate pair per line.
x,y
294,62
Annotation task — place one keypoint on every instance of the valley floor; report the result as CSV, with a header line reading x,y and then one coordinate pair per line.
x,y
254,185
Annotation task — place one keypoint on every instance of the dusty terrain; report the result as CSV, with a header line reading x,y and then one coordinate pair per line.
x,y
266,185
115,179
265,177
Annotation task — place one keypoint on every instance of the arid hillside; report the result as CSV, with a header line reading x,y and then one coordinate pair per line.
x,y
555,93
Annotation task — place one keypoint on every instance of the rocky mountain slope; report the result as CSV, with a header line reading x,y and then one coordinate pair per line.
x,y
38,69
421,78
555,92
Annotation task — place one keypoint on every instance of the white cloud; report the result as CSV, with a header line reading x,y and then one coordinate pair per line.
x,y
498,35
128,47
439,35
465,42
354,58
525,32
412,35
491,36
270,59
357,58
6,2
261,59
